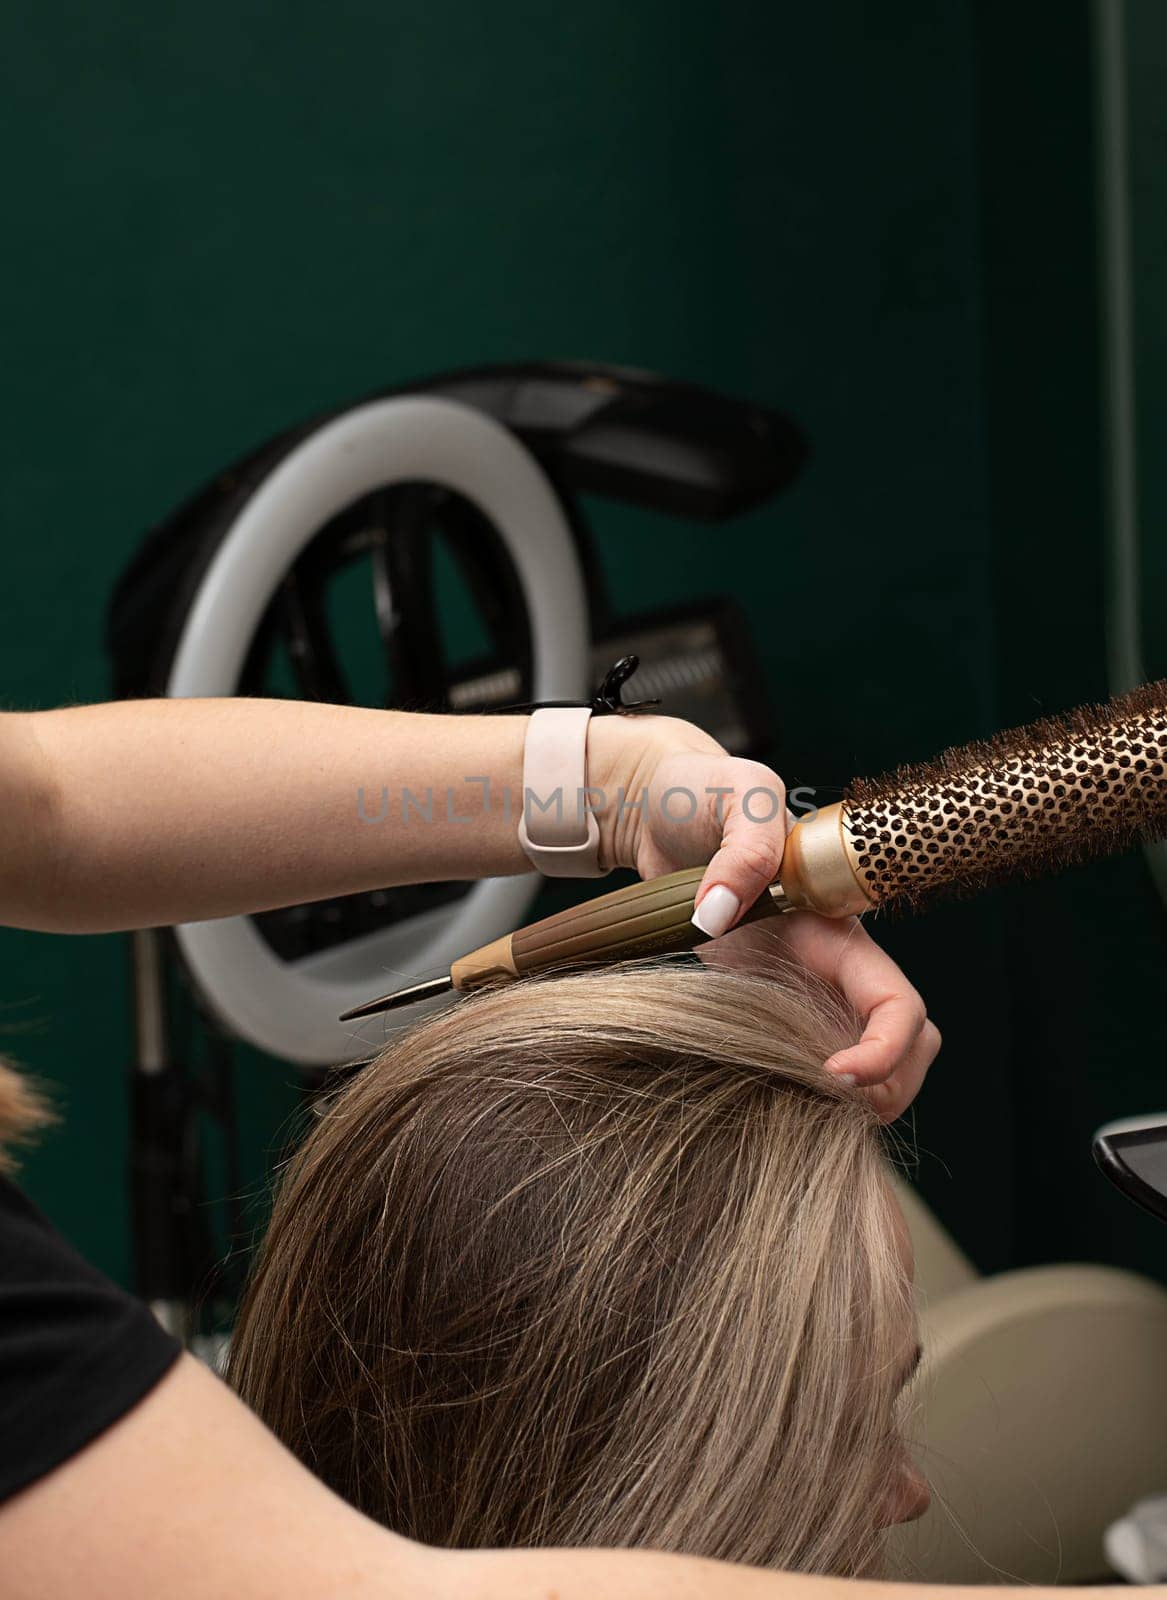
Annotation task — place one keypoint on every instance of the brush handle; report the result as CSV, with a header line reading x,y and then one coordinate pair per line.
x,y
645,919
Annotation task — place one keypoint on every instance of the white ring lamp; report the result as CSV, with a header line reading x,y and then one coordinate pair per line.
x,y
290,1008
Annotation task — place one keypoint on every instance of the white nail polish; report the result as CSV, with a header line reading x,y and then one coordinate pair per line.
x,y
847,1079
717,911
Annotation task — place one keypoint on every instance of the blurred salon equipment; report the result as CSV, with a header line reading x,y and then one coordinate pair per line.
x,y
1040,1414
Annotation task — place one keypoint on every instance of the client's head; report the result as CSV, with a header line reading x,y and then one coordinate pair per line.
x,y
605,1259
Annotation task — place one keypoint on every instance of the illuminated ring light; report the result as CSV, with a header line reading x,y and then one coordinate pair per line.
x,y
290,1008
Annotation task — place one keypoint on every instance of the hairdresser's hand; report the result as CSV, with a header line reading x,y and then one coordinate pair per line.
x,y
674,798
898,1044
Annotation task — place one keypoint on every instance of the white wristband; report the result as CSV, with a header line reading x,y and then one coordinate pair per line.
x,y
557,829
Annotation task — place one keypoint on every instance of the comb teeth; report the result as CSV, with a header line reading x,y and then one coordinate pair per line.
x,y
1026,802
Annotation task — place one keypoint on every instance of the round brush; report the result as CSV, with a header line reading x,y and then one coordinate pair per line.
x,y
1029,801
1026,802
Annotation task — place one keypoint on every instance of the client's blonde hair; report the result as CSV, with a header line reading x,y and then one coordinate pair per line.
x,y
23,1113
605,1259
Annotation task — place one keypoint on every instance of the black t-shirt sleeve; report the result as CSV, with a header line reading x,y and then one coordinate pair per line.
x,y
76,1352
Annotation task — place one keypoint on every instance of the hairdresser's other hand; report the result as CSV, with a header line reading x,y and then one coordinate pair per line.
x,y
674,798
899,1042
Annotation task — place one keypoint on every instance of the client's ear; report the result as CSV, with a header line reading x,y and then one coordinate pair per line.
x,y
23,1112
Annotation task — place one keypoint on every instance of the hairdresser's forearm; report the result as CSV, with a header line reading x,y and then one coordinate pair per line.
x,y
188,1496
646,1575
148,812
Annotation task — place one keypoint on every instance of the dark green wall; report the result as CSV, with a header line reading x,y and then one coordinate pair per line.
x,y
874,216
1146,62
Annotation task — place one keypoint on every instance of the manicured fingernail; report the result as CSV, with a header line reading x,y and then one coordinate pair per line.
x,y
717,911
847,1079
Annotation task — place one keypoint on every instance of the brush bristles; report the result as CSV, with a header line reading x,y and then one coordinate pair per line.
x,y
1026,802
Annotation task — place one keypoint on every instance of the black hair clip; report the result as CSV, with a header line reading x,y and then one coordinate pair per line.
x,y
607,699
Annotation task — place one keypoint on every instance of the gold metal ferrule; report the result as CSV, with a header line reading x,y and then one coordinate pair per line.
x,y
818,867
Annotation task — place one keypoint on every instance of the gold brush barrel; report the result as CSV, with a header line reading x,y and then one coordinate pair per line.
x,y
1029,801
